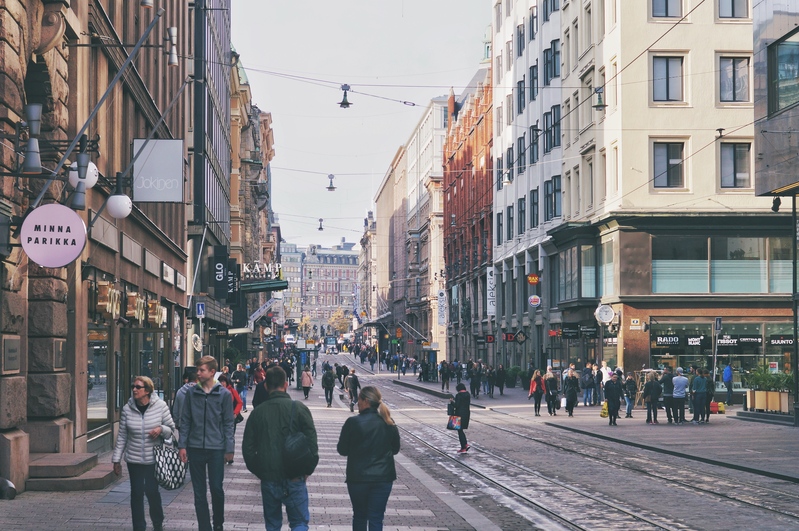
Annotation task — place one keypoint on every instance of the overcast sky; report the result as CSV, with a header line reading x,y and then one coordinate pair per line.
x,y
404,50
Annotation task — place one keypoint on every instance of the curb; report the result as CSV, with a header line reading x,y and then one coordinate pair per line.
x,y
423,389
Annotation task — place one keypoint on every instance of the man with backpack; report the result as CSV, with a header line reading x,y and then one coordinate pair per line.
x,y
328,384
263,448
352,385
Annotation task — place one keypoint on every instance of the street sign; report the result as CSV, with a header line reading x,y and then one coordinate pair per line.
x,y
520,337
399,332
718,324
200,311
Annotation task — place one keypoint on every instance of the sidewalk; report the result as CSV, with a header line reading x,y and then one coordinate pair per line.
x,y
765,449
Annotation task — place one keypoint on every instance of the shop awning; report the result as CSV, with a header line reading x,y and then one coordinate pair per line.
x,y
264,285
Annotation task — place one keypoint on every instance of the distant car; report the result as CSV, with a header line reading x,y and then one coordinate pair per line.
x,y
289,339
332,350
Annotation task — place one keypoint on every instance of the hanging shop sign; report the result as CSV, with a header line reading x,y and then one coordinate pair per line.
x,y
571,331
260,271
491,293
534,301
533,279
233,281
53,235
158,172
442,307
589,332
219,271
109,300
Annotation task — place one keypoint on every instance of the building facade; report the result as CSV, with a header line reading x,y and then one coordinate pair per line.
x,y
468,218
328,284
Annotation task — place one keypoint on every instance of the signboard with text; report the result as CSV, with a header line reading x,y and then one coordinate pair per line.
x,y
491,293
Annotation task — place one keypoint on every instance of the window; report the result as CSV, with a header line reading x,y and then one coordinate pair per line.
x,y
667,8
534,134
522,212
733,9
667,79
521,145
567,281
510,161
735,165
534,81
547,132
509,109
668,164
510,222
547,66
590,184
498,113
588,37
499,173
521,96
556,196
783,74
555,125
499,228
734,79
606,268
556,58
520,42
738,265
533,208
508,55
679,264
497,16
498,68
548,201
533,22
587,271
566,55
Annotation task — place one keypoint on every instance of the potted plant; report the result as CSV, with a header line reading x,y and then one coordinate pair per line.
x,y
770,390
513,375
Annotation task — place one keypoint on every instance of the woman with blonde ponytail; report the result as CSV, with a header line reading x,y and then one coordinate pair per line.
x,y
370,440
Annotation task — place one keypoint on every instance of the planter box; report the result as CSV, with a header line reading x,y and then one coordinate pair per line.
x,y
761,401
772,400
750,399
784,401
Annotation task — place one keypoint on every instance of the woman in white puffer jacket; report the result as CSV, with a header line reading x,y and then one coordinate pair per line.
x,y
145,418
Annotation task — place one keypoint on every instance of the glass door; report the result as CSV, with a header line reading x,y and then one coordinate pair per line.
x,y
143,355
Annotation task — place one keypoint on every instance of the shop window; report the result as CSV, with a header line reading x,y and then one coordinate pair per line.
x,y
783,74
780,261
97,381
588,271
679,264
567,282
606,276
738,265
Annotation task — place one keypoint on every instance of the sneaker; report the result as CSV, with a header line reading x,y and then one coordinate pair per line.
x,y
467,448
655,422
352,407
694,422
462,451
649,422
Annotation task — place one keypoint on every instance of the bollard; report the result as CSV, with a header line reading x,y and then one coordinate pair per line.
x,y
7,490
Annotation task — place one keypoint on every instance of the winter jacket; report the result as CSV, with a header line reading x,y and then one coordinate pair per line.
x,y
207,419
667,381
180,400
237,401
307,379
552,387
571,387
680,385
463,403
370,446
239,380
613,393
537,385
133,441
652,390
630,389
328,380
266,431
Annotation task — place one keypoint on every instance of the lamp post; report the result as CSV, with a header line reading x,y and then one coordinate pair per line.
x,y
794,289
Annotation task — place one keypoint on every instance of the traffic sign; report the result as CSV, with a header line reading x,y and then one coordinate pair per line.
x,y
718,324
200,310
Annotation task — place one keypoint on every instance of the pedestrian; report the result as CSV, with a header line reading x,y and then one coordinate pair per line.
x,y
443,372
190,380
462,403
491,378
667,383
352,385
239,381
699,391
710,393
237,403
587,384
551,384
306,381
571,386
328,384
680,383
500,378
537,387
207,442
613,395
313,368
727,378
145,418
630,391
262,448
369,440
651,396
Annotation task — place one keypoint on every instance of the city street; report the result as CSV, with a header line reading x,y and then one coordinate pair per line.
x,y
522,472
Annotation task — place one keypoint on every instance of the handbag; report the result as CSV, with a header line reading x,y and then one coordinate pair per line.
x,y
170,471
454,422
451,409
604,411
239,418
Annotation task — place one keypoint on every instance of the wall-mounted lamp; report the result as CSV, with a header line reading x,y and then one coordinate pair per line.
x,y
344,104
330,187
146,4
320,224
452,220
775,204
170,45
119,205
33,160
599,105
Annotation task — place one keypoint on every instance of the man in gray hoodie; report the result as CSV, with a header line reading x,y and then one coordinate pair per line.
x,y
206,441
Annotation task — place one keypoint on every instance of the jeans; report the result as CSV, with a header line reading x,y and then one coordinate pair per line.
x,y
368,504
329,395
243,395
462,439
537,397
587,396
729,392
678,408
630,403
599,395
652,411
668,404
699,406
212,461
305,391
291,493
142,481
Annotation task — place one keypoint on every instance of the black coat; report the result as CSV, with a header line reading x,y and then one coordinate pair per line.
x,y
370,446
613,393
571,387
552,387
463,402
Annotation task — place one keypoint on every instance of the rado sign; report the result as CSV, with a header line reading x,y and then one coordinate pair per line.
x,y
667,341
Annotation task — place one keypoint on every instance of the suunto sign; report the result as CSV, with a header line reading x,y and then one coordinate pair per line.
x,y
53,235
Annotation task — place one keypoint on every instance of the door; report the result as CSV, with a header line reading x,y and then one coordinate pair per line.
x,y
147,352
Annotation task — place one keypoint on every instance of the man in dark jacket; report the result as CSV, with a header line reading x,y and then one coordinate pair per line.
x,y
613,394
666,382
328,384
206,441
264,437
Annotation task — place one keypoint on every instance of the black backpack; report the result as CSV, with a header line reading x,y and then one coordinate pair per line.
x,y
297,460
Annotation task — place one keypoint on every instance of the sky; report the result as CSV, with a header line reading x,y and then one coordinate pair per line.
x,y
297,54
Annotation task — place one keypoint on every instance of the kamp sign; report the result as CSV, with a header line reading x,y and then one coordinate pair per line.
x,y
53,235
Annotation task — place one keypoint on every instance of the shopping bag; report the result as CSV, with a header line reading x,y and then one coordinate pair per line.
x,y
604,411
454,422
722,407
170,471
563,402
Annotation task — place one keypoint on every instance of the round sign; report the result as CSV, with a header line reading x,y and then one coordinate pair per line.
x,y
604,314
53,235
267,331
535,301
533,279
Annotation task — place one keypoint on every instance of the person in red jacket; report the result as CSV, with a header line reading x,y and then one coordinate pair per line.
x,y
224,379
